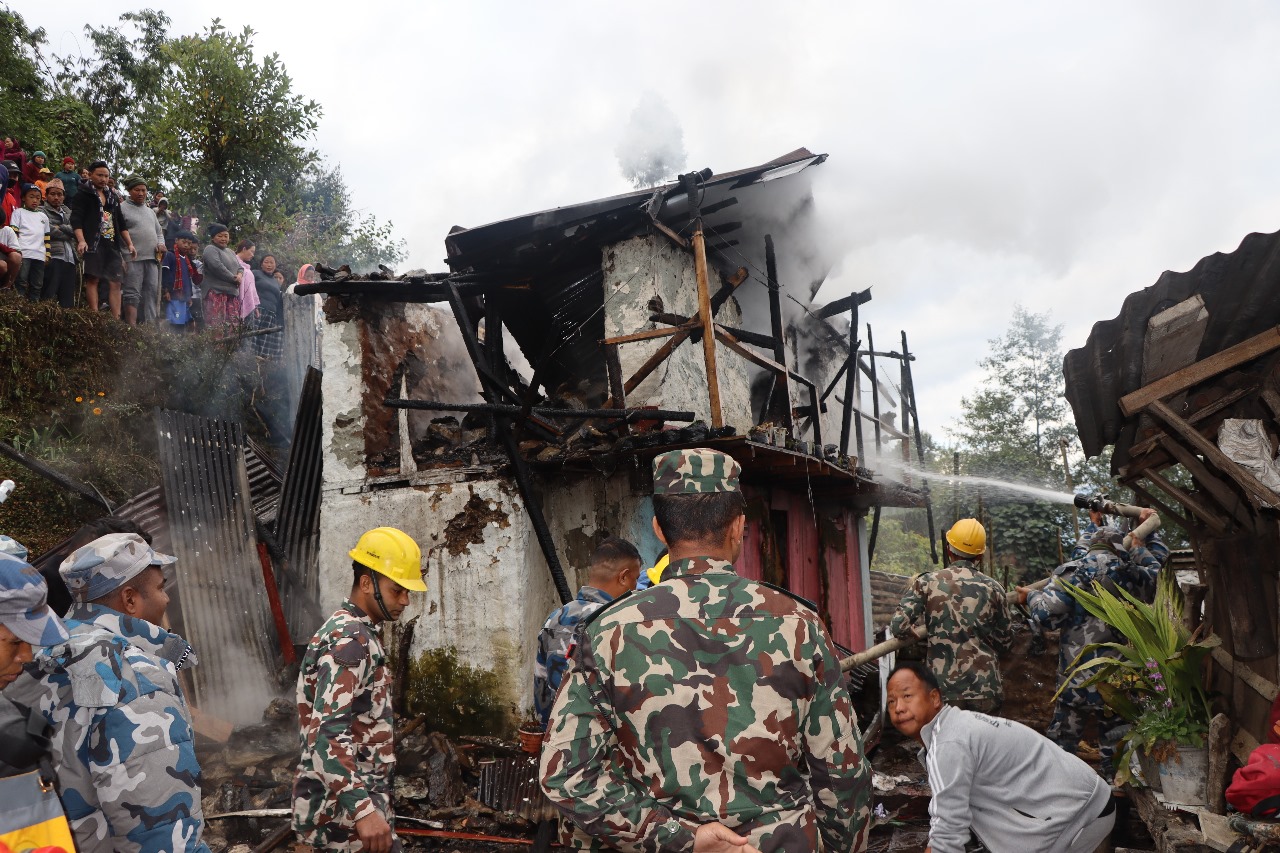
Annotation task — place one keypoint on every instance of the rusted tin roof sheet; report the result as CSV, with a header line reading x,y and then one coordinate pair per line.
x,y
298,525
225,612
1241,295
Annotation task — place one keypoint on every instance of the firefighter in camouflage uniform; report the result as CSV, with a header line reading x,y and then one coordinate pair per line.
x,y
342,791
966,617
706,713
1110,563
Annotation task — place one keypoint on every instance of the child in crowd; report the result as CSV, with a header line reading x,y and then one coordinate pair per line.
x,y
42,179
32,227
60,277
70,179
10,253
179,281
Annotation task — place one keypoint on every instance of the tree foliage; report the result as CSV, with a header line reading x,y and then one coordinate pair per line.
x,y
325,226
32,110
230,131
121,80
900,550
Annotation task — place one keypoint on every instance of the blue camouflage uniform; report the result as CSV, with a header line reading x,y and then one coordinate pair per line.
x,y
553,645
122,738
1053,608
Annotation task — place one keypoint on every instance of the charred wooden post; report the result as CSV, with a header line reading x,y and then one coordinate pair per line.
x,y
705,316
875,530
875,390
778,404
850,384
492,393
909,394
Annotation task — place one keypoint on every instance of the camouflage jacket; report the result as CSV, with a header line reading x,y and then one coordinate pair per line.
x,y
1154,544
553,642
122,739
1055,609
705,698
346,734
967,618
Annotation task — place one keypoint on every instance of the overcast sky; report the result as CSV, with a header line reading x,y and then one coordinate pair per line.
x,y
981,154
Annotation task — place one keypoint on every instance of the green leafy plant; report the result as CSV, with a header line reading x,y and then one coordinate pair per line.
x,y
1154,679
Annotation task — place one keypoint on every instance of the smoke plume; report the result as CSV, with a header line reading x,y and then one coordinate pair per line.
x,y
652,145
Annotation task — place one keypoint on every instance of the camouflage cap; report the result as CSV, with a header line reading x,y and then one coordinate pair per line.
x,y
12,547
695,471
1108,538
24,608
107,563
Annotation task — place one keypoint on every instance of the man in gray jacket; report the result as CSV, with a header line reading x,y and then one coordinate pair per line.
x,y
1010,786
140,296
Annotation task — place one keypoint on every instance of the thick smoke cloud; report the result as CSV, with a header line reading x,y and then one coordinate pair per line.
x,y
652,146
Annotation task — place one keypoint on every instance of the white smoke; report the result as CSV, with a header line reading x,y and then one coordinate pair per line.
x,y
652,145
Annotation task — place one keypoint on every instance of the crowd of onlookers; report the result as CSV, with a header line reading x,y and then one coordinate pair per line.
x,y
72,236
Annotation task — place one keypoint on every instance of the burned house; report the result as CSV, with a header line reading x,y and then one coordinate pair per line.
x,y
1184,385
505,413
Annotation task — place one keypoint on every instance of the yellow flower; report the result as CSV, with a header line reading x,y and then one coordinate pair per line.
x,y
97,411
102,393
79,399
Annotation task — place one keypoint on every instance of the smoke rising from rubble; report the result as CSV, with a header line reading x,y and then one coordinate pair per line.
x,y
652,146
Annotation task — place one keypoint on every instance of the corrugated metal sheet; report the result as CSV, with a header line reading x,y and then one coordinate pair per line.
x,y
1241,292
225,610
298,525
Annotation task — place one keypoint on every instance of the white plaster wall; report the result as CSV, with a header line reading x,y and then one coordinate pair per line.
x,y
635,271
342,425
488,601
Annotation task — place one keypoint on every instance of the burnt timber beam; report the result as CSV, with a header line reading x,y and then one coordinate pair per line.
x,y
1216,523
1137,450
523,482
546,412
851,384
649,334
1245,480
1235,506
844,303
1164,508
754,338
728,284
54,476
659,355
1205,368
875,387
734,344
778,405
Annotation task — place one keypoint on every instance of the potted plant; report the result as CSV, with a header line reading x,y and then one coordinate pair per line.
x,y
1153,680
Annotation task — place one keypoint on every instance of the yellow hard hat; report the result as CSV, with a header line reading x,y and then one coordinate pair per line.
x,y
655,571
968,537
393,553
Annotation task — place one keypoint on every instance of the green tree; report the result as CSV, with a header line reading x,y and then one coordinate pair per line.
x,y
1012,429
900,551
325,227
230,131
121,79
31,108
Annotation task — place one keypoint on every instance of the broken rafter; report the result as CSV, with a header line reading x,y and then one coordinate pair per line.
x,y
844,303
1245,480
727,338
543,411
1206,368
1215,522
659,355
1160,505
649,334
1236,507
1213,408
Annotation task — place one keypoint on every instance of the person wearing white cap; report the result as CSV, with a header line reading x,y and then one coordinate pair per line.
x,y
122,737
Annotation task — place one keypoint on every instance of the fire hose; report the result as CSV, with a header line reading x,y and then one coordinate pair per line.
x,y
1141,532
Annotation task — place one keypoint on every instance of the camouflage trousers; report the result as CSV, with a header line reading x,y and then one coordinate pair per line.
x,y
1067,729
